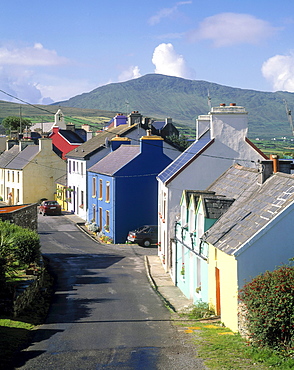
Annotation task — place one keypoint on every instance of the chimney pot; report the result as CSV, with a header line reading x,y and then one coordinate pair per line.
x,y
222,104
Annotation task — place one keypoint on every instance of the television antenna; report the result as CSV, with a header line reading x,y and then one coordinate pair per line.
x,y
208,100
289,115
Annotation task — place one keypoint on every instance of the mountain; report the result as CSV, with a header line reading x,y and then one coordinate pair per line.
x,y
161,96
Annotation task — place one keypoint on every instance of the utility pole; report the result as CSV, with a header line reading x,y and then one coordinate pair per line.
x,y
20,123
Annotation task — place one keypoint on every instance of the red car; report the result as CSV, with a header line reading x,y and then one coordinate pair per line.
x,y
50,207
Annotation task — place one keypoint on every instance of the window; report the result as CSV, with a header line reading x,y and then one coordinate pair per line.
x,y
8,175
77,166
82,169
93,186
12,176
73,166
100,189
17,195
94,213
17,176
69,166
107,218
82,199
100,218
107,192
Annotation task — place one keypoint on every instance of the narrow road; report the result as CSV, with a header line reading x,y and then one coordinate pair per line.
x,y
104,314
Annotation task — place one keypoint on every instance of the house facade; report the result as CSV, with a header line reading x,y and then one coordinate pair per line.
x,y
199,211
28,172
251,237
122,187
221,140
89,153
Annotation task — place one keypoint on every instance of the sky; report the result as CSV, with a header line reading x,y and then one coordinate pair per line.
x,y
53,50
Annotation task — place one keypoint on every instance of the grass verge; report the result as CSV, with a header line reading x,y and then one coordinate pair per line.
x,y
221,349
16,332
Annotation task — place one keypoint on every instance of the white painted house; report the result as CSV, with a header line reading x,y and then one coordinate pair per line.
x,y
221,140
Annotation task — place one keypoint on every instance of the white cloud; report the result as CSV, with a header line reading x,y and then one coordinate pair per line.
x,y
129,74
227,29
168,62
30,56
279,71
166,13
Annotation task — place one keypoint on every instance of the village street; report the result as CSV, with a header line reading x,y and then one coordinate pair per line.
x,y
104,313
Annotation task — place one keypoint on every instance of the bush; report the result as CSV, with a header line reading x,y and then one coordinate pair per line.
x,y
18,245
269,303
201,311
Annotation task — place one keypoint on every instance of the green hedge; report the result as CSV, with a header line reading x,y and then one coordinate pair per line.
x,y
269,302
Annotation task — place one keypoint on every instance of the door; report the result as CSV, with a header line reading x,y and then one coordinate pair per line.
x,y
217,281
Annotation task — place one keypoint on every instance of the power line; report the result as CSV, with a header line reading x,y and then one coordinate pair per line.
x,y
46,110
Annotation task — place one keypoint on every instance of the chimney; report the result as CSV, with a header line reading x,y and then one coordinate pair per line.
x,y
117,141
70,127
10,143
135,117
45,144
86,127
265,170
151,143
120,119
24,143
275,159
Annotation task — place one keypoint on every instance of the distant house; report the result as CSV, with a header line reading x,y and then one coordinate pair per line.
x,y
221,140
122,193
252,236
62,192
63,141
28,172
92,151
164,128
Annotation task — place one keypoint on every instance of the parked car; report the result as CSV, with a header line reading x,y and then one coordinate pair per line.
x,y
50,207
144,235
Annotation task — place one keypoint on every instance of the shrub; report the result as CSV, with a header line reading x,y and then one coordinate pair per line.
x,y
201,311
18,244
269,303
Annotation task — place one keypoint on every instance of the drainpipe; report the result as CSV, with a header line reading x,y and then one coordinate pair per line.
x,y
176,255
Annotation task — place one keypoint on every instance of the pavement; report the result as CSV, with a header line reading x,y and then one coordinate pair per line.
x,y
159,279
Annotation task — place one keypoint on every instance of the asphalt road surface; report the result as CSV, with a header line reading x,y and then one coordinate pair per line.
x,y
104,313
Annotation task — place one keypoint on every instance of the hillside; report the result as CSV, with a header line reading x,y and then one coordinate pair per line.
x,y
163,96
45,113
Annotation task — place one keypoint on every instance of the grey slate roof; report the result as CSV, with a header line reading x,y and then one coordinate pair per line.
x,y
116,160
71,136
24,157
184,158
16,160
97,142
8,155
216,206
255,206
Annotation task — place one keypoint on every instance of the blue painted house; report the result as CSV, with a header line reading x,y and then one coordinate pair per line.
x,y
122,187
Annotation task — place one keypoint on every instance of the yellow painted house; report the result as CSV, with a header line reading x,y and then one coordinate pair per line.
x,y
28,172
254,235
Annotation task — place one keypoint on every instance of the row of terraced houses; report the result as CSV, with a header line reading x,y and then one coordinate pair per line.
x,y
223,208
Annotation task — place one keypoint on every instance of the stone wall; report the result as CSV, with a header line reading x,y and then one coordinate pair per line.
x,y
26,217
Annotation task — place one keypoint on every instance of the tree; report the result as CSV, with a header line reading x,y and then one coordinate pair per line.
x,y
14,123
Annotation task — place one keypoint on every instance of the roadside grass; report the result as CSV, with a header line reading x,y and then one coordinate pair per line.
x,y
13,336
221,349
16,332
